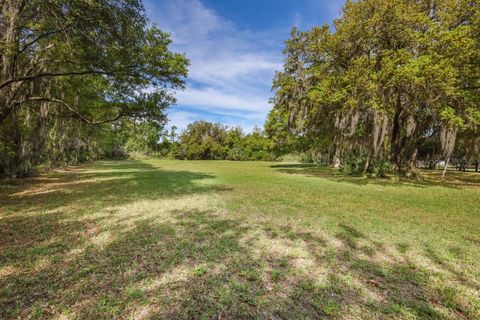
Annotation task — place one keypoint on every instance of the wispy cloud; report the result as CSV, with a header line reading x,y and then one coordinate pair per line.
x,y
231,68
181,118
219,100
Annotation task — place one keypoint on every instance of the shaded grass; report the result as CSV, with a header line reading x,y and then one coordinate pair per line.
x,y
426,179
189,239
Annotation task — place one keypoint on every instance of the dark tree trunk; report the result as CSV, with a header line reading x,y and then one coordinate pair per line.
x,y
396,134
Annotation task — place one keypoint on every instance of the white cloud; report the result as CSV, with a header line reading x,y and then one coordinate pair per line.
x,y
231,70
211,97
187,20
181,119
227,68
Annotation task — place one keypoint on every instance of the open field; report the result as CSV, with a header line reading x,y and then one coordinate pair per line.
x,y
213,239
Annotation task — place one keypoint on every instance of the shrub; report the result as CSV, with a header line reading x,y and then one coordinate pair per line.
x,y
355,165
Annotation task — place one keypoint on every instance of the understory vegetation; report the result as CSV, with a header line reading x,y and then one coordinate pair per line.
x,y
166,239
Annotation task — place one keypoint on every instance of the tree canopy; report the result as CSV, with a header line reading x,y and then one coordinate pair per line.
x,y
72,70
391,76
203,140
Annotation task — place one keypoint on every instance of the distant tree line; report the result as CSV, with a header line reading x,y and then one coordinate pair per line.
x,y
75,75
201,140
396,82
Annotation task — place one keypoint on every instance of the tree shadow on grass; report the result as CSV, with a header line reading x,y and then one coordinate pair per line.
x,y
119,183
199,266
356,283
143,262
236,283
398,287
192,263
428,178
47,220
32,215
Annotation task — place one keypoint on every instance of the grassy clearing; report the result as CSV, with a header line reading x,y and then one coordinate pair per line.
x,y
184,239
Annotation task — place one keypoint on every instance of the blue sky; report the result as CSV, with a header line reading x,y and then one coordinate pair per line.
x,y
234,47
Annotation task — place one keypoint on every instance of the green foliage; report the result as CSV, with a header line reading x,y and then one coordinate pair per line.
x,y
391,75
358,164
142,137
212,141
203,140
382,169
355,165
256,146
74,72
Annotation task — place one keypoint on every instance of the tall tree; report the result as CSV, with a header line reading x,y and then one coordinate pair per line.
x,y
392,74
92,62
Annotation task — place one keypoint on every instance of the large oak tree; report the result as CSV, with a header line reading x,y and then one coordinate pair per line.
x,y
390,76
68,62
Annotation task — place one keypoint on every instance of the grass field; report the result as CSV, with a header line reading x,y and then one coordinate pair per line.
x,y
230,240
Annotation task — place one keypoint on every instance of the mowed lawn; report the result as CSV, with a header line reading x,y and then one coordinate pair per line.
x,y
161,239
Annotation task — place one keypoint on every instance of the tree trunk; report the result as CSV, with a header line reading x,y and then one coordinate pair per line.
x,y
336,163
447,160
447,138
367,164
396,128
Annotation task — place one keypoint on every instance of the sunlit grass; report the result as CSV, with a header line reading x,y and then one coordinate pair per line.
x,y
216,239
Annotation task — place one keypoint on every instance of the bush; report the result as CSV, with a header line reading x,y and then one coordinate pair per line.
x,y
355,165
116,154
235,154
211,141
382,169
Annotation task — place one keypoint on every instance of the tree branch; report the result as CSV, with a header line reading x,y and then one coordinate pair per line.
x,y
66,73
80,116
49,74
25,47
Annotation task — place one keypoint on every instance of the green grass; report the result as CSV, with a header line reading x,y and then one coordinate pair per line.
x,y
214,240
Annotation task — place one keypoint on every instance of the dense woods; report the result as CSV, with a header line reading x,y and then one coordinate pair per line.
x,y
73,73
395,81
